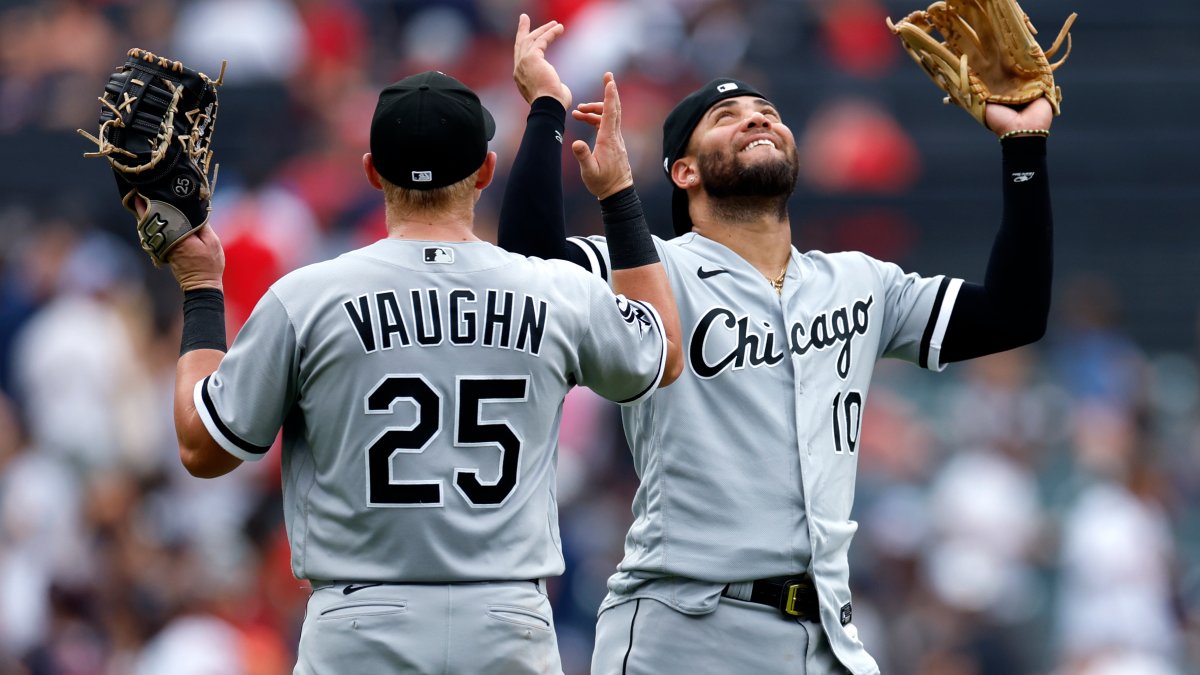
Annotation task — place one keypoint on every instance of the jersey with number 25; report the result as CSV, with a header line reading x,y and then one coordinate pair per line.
x,y
419,389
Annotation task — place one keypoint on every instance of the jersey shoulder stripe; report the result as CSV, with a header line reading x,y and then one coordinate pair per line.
x,y
222,434
594,257
667,250
939,319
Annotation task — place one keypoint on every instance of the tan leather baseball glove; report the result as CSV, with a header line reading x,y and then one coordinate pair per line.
x,y
988,53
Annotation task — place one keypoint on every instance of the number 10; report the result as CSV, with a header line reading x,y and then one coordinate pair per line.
x,y
849,410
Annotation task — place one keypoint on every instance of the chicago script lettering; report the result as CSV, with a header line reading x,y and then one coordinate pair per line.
x,y
827,329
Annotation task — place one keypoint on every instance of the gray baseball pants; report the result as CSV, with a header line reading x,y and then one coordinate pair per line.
x,y
469,628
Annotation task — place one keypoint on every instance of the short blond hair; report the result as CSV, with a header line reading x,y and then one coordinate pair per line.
x,y
406,200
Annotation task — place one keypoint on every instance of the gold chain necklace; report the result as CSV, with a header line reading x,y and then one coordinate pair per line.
x,y
777,282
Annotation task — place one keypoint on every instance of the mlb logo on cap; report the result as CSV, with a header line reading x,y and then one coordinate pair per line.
x,y
678,128
429,130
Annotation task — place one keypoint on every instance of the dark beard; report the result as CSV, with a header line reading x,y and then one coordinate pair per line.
x,y
739,192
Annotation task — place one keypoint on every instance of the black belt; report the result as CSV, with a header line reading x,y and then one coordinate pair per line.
x,y
794,596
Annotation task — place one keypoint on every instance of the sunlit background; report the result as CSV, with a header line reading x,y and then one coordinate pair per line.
x,y
1032,512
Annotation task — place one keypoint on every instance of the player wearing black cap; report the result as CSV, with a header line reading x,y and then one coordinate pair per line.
x,y
677,131
429,131
737,558
418,383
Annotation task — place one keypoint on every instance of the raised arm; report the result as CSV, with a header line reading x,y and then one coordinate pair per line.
x,y
637,271
1011,307
531,214
532,221
198,263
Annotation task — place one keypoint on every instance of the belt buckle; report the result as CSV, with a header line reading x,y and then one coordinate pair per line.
x,y
793,588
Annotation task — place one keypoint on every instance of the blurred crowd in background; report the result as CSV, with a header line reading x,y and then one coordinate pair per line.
x,y
1030,512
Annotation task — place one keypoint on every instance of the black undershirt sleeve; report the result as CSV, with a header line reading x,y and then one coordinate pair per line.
x,y
532,220
1012,306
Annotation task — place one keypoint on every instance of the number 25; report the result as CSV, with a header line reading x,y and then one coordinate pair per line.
x,y
383,490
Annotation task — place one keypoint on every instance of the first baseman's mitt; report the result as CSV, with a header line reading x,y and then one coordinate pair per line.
x,y
156,126
988,55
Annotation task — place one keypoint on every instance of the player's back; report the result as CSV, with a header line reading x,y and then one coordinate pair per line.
x,y
428,382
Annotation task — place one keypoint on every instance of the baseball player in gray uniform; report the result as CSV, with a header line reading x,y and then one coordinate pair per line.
x,y
419,383
737,559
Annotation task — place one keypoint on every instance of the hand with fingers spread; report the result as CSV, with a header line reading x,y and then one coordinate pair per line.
x,y
605,169
534,75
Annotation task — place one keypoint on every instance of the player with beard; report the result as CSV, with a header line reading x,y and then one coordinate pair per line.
x,y
737,559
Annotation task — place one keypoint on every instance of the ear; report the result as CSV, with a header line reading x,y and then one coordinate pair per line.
x,y
486,172
684,173
372,174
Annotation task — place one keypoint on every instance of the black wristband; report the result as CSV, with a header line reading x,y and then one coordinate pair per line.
x,y
629,241
203,320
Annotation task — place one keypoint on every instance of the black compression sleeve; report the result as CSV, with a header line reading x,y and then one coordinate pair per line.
x,y
1011,308
532,221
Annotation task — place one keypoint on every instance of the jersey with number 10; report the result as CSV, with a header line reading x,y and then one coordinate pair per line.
x,y
748,460
419,388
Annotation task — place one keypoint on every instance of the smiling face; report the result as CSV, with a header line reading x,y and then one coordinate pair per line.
x,y
743,149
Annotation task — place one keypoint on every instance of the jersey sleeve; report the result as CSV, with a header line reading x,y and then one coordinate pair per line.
x,y
623,352
243,404
915,315
595,252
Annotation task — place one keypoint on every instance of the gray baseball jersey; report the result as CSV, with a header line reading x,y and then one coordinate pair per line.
x,y
748,460
419,388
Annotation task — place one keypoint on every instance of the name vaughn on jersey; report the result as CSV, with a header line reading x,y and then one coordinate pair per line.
x,y
430,316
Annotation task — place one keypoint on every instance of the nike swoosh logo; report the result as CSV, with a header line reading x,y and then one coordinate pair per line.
x,y
704,274
351,588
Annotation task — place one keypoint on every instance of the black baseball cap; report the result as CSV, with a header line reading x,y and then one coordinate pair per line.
x,y
677,131
429,131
